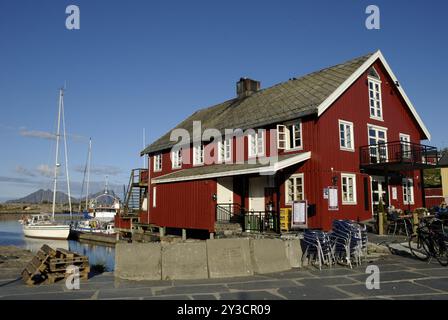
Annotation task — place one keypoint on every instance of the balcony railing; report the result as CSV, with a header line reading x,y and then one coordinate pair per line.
x,y
398,152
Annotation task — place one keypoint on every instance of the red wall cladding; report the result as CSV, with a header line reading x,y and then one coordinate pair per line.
x,y
187,205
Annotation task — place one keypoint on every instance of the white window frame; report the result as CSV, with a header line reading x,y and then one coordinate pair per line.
x,y
157,162
377,128
256,142
154,195
406,146
408,184
198,150
373,81
225,150
347,177
288,200
284,132
346,124
176,159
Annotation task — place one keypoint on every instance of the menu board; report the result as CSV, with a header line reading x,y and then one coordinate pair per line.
x,y
299,214
333,198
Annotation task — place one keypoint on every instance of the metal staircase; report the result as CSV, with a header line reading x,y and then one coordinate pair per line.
x,y
136,192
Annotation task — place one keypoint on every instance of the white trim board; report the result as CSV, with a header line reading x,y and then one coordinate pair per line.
x,y
347,83
269,169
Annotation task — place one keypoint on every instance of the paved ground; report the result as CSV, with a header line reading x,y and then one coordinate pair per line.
x,y
401,278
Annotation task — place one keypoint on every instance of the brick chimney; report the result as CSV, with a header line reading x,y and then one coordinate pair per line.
x,y
245,87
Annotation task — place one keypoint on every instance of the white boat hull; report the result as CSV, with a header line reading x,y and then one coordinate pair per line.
x,y
47,231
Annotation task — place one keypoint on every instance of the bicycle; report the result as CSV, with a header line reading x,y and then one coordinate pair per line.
x,y
430,241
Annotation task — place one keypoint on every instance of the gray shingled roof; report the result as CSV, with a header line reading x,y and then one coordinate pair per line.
x,y
443,162
281,102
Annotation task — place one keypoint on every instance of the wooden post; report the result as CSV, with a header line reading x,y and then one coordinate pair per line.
x,y
380,223
415,221
184,234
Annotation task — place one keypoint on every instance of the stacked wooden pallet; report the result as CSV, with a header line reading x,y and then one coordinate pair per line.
x,y
49,266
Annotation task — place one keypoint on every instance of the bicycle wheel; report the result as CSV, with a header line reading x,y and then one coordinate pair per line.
x,y
441,251
419,247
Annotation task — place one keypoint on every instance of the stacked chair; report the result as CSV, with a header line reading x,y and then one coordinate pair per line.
x,y
349,241
345,244
318,248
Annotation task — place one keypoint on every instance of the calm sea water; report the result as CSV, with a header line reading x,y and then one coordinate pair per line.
x,y
11,234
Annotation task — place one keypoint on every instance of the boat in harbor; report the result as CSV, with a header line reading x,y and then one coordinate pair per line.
x,y
93,226
44,226
93,230
105,206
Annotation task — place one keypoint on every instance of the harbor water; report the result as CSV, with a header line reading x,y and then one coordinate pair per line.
x,y
11,234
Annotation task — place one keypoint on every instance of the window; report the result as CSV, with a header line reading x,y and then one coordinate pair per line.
x,y
225,150
289,136
294,188
154,189
176,159
346,139
405,140
376,110
408,191
198,155
348,181
158,162
256,143
378,140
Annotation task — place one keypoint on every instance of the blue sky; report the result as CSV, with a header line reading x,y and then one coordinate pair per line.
x,y
149,64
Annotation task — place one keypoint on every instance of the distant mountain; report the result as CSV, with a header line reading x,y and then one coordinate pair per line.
x,y
41,196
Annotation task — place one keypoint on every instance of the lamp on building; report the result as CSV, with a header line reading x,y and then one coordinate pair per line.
x,y
214,197
334,180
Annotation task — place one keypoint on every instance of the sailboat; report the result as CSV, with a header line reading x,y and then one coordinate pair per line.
x,y
44,226
105,206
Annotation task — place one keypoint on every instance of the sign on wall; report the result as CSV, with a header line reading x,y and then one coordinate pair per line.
x,y
299,214
394,193
333,198
325,193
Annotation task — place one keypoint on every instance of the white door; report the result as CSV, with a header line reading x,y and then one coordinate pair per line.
x,y
378,189
256,193
225,190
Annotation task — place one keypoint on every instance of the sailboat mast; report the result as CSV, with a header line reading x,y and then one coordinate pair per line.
x,y
56,165
66,159
144,146
88,172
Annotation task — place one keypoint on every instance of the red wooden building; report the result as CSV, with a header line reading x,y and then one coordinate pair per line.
x,y
349,127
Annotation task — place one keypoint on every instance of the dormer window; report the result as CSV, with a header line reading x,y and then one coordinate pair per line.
x,y
256,143
225,150
289,136
157,162
176,159
375,103
198,155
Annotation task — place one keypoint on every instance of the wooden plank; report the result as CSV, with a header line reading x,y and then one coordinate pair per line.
x,y
64,268
36,261
48,250
65,253
41,255
68,260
